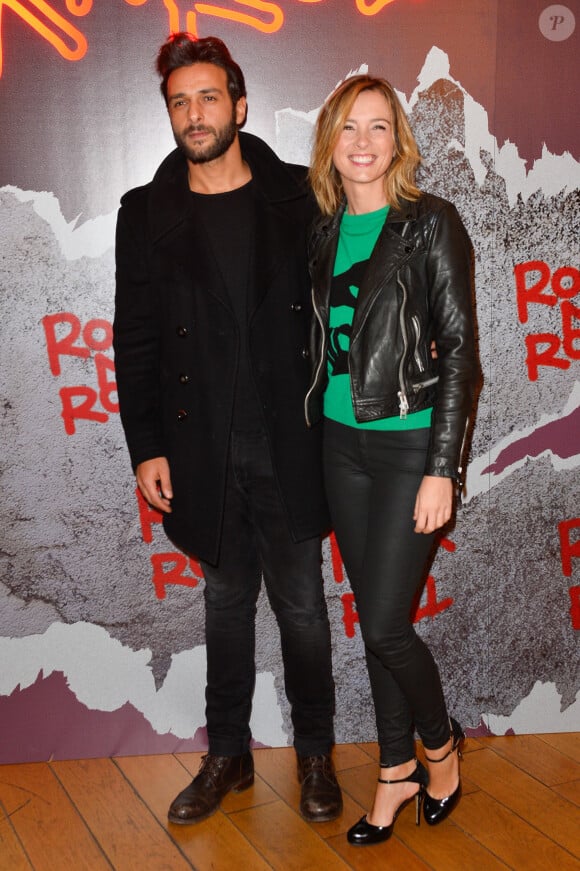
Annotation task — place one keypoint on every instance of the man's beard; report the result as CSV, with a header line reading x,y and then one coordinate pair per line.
x,y
223,139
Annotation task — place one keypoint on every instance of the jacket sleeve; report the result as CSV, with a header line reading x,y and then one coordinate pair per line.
x,y
449,266
136,338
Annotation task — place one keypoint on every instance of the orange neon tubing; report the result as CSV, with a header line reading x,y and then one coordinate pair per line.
x,y
374,7
53,38
241,17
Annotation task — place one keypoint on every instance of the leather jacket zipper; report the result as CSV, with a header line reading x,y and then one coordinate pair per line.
x,y
402,394
419,385
321,363
417,329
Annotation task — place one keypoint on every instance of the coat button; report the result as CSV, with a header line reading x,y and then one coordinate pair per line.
x,y
184,378
181,332
181,415
305,353
296,307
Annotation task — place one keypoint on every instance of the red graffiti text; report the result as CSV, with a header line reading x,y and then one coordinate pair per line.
x,y
66,339
570,549
170,567
536,284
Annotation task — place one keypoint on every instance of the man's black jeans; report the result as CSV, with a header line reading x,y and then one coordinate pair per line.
x,y
256,540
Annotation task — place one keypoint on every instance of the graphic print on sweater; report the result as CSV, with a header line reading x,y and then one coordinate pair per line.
x,y
345,289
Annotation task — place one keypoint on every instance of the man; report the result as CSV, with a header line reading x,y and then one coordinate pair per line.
x,y
210,335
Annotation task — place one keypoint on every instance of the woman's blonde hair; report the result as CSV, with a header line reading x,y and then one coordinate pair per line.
x,y
324,178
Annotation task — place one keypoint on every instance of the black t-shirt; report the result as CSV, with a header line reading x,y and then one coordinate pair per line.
x,y
229,220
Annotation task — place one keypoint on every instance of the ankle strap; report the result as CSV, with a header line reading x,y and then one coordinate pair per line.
x,y
455,742
443,758
401,779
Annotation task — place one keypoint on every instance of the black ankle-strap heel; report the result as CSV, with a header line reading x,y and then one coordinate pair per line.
x,y
420,776
435,810
364,833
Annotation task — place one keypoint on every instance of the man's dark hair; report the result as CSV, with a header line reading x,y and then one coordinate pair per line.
x,y
184,50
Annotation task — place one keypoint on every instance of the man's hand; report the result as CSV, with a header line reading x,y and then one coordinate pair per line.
x,y
154,481
434,503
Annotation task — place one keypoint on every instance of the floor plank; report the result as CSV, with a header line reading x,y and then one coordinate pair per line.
x,y
157,780
537,757
509,837
519,810
117,817
217,843
570,791
276,831
12,855
348,755
360,784
391,854
531,800
40,812
447,846
567,743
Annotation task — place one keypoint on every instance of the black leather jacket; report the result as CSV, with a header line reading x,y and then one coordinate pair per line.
x,y
417,288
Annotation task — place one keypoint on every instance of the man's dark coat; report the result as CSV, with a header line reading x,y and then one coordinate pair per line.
x,y
176,345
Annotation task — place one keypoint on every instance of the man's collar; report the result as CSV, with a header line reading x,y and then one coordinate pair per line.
x,y
169,202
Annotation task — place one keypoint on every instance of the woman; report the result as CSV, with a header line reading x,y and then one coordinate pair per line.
x,y
391,270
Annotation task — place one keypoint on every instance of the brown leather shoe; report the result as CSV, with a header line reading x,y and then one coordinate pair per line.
x,y
217,776
321,798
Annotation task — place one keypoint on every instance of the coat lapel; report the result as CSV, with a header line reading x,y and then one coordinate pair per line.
x,y
273,231
390,253
172,215
174,226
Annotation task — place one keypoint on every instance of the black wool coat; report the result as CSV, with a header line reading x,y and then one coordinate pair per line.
x,y
176,345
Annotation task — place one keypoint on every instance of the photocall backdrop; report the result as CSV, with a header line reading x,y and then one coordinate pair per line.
x,y
101,619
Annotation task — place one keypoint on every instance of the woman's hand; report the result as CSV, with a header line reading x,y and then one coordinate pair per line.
x,y
154,481
434,503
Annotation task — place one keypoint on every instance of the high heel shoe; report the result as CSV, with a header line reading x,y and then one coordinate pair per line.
x,y
364,833
435,810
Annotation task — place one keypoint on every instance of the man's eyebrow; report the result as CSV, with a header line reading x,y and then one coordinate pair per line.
x,y
200,91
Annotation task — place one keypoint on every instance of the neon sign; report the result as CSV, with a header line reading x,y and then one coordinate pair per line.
x,y
47,22
72,44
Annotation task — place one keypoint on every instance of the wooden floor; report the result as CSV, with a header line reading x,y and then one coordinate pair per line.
x,y
520,809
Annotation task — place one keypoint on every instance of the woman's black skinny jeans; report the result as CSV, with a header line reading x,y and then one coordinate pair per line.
x,y
372,478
